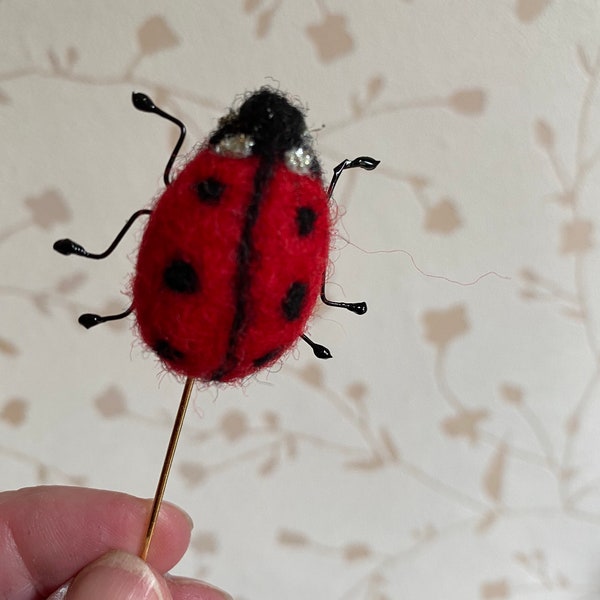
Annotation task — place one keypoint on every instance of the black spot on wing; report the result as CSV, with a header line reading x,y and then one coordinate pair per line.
x,y
180,276
305,220
294,299
166,351
209,190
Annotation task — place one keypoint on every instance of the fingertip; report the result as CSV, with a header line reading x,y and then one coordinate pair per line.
x,y
119,575
178,514
116,575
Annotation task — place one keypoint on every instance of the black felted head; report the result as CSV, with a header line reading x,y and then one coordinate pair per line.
x,y
267,116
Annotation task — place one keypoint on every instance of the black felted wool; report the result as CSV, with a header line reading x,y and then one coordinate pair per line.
x,y
270,119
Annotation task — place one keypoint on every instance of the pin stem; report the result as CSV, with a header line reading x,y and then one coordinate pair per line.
x,y
164,475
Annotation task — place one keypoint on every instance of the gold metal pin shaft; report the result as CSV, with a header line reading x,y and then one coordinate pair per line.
x,y
166,468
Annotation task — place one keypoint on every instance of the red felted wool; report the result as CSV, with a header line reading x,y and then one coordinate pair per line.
x,y
235,252
258,257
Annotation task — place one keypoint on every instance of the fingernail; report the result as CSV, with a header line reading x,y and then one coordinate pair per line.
x,y
118,576
197,589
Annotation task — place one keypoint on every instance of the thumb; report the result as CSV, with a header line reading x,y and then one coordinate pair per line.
x,y
118,576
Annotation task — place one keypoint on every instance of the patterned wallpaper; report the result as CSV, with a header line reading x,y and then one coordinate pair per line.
x,y
451,447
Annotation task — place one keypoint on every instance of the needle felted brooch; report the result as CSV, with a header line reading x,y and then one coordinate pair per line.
x,y
234,256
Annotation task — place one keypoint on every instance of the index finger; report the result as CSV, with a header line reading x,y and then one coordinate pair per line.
x,y
49,533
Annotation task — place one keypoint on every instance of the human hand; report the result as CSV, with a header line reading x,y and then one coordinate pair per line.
x,y
80,544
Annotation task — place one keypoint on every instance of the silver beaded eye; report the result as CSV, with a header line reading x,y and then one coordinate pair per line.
x,y
238,145
300,160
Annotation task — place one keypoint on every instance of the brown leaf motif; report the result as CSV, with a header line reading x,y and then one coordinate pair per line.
x,y
577,236
265,21
155,35
356,551
330,37
370,464
72,56
390,445
251,5
54,61
494,590
234,425
71,283
512,394
417,182
41,301
426,533
205,542
8,348
465,424
312,374
572,424
565,198
43,474
574,313
193,473
486,521
357,390
291,446
493,477
529,10
584,61
14,412
444,325
468,102
544,134
442,218
271,420
48,209
375,87
111,403
268,466
287,537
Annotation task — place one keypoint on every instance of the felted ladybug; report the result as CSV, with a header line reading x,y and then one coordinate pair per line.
x,y
235,252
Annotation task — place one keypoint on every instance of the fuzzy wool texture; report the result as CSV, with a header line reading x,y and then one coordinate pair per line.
x,y
207,235
269,118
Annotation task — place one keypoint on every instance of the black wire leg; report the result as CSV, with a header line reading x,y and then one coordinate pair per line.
x,y
146,104
89,320
358,308
318,350
364,162
67,246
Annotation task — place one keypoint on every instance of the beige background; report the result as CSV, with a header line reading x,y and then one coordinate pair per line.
x,y
451,448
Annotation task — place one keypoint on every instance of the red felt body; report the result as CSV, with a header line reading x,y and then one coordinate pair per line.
x,y
207,236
